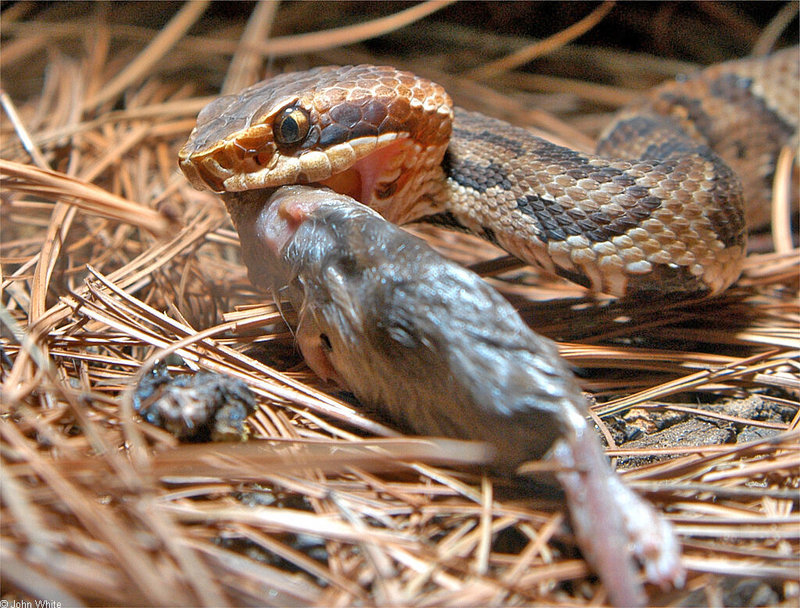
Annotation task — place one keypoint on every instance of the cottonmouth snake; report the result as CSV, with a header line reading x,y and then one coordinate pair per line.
x,y
659,208
429,343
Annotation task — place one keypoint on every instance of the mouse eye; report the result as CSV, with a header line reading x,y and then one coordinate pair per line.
x,y
291,126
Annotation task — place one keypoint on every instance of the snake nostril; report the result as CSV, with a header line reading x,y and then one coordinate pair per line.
x,y
207,174
227,159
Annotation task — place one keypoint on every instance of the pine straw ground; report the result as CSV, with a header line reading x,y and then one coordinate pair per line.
x,y
110,261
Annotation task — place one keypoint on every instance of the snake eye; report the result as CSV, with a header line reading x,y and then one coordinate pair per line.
x,y
290,126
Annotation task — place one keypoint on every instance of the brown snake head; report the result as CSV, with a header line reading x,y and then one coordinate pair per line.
x,y
361,130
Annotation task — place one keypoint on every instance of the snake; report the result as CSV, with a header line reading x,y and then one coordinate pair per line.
x,y
312,164
659,208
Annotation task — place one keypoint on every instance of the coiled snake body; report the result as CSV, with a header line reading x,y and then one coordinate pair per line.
x,y
667,218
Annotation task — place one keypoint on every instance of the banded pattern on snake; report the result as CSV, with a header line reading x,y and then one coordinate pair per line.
x,y
660,208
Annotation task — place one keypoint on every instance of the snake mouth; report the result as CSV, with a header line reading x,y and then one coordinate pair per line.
x,y
377,171
364,168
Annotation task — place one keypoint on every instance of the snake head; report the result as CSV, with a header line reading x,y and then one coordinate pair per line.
x,y
375,133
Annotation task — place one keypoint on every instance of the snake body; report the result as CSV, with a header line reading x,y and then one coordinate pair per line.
x,y
659,208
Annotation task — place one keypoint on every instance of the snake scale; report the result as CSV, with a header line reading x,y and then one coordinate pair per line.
x,y
658,209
